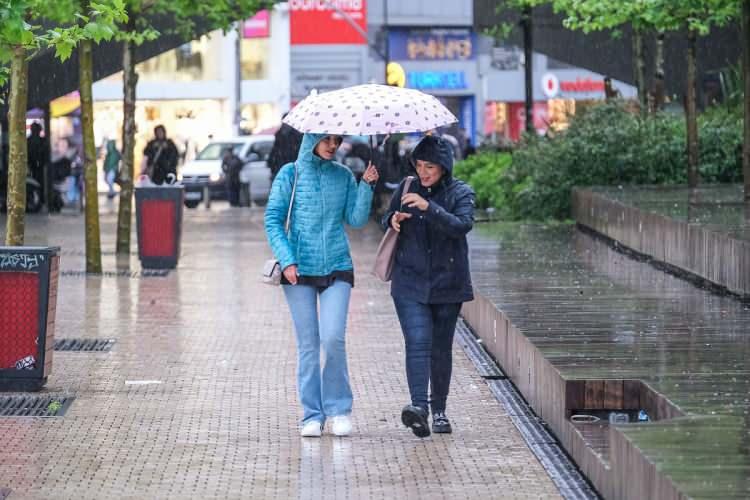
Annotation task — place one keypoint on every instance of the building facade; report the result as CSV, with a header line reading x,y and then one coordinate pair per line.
x,y
217,86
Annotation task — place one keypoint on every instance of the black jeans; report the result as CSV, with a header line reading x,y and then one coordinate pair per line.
x,y
428,334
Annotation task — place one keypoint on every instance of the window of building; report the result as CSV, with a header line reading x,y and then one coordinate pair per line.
x,y
259,117
254,58
193,61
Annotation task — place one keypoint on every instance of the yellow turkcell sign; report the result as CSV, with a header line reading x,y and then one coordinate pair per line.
x,y
395,75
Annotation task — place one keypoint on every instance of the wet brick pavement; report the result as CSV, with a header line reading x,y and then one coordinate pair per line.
x,y
197,397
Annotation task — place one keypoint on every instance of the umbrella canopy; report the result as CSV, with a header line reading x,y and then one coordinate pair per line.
x,y
368,110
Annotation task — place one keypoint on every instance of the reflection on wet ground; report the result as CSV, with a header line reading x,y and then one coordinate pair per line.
x,y
595,313
719,207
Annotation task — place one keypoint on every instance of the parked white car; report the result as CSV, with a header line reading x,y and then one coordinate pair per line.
x,y
204,173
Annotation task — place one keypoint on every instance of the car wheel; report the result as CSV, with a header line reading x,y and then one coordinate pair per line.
x,y
192,203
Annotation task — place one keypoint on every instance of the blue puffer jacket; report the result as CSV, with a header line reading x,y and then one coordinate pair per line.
x,y
327,197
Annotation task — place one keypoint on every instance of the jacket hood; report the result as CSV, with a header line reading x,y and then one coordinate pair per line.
x,y
306,154
435,150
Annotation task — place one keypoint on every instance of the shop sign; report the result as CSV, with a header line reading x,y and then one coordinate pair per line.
x,y
327,22
322,81
506,58
436,80
582,85
552,86
431,45
258,26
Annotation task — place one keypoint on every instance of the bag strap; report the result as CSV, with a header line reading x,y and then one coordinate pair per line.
x,y
291,201
407,185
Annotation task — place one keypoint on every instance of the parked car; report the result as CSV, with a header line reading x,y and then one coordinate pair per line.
x,y
255,176
205,170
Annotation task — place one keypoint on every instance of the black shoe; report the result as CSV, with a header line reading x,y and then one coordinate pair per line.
x,y
416,419
440,423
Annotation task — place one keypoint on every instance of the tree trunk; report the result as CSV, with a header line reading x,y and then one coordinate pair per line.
x,y
17,157
639,68
93,242
691,114
129,82
746,71
659,90
528,52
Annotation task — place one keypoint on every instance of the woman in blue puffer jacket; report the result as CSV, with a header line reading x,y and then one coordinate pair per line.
x,y
317,265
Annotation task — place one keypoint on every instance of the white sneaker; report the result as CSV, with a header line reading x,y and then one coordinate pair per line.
x,y
341,425
313,428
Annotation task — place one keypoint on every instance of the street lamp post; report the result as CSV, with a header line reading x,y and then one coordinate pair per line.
x,y
528,55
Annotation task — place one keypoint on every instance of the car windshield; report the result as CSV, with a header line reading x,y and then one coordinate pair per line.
x,y
215,150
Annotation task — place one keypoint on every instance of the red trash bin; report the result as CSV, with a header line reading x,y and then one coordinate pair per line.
x,y
159,222
28,300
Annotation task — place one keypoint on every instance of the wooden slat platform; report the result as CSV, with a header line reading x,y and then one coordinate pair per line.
x,y
575,325
704,232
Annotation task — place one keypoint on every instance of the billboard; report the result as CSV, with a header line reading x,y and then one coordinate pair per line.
x,y
313,22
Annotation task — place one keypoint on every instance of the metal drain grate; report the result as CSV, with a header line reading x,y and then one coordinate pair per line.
x,y
562,470
146,273
482,360
84,345
37,405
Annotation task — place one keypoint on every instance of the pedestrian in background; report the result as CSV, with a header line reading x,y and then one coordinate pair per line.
x,y
431,277
317,267
285,148
160,157
231,166
37,156
111,167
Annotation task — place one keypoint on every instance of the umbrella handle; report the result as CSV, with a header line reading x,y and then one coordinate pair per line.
x,y
373,145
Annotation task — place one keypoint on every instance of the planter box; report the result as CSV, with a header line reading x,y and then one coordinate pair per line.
x,y
28,299
159,221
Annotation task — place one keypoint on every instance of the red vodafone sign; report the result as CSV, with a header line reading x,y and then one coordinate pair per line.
x,y
327,21
550,85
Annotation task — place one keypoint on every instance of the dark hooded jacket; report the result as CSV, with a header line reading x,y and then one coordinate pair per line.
x,y
432,255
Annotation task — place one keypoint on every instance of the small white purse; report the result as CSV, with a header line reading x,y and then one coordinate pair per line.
x,y
271,274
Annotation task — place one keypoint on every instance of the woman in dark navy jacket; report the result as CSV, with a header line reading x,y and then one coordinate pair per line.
x,y
431,277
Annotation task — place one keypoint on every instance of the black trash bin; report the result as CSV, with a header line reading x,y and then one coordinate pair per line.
x,y
28,300
159,221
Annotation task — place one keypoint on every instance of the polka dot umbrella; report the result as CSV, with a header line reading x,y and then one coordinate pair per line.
x,y
369,110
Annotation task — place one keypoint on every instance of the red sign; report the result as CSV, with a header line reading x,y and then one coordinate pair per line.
x,y
258,26
327,22
582,85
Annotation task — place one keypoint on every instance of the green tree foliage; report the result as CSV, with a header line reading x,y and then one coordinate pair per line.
x,y
21,34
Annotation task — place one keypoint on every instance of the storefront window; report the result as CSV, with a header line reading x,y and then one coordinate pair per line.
x,y
254,58
257,118
193,61
187,123
559,112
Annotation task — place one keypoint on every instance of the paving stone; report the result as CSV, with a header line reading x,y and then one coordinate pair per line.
x,y
197,398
